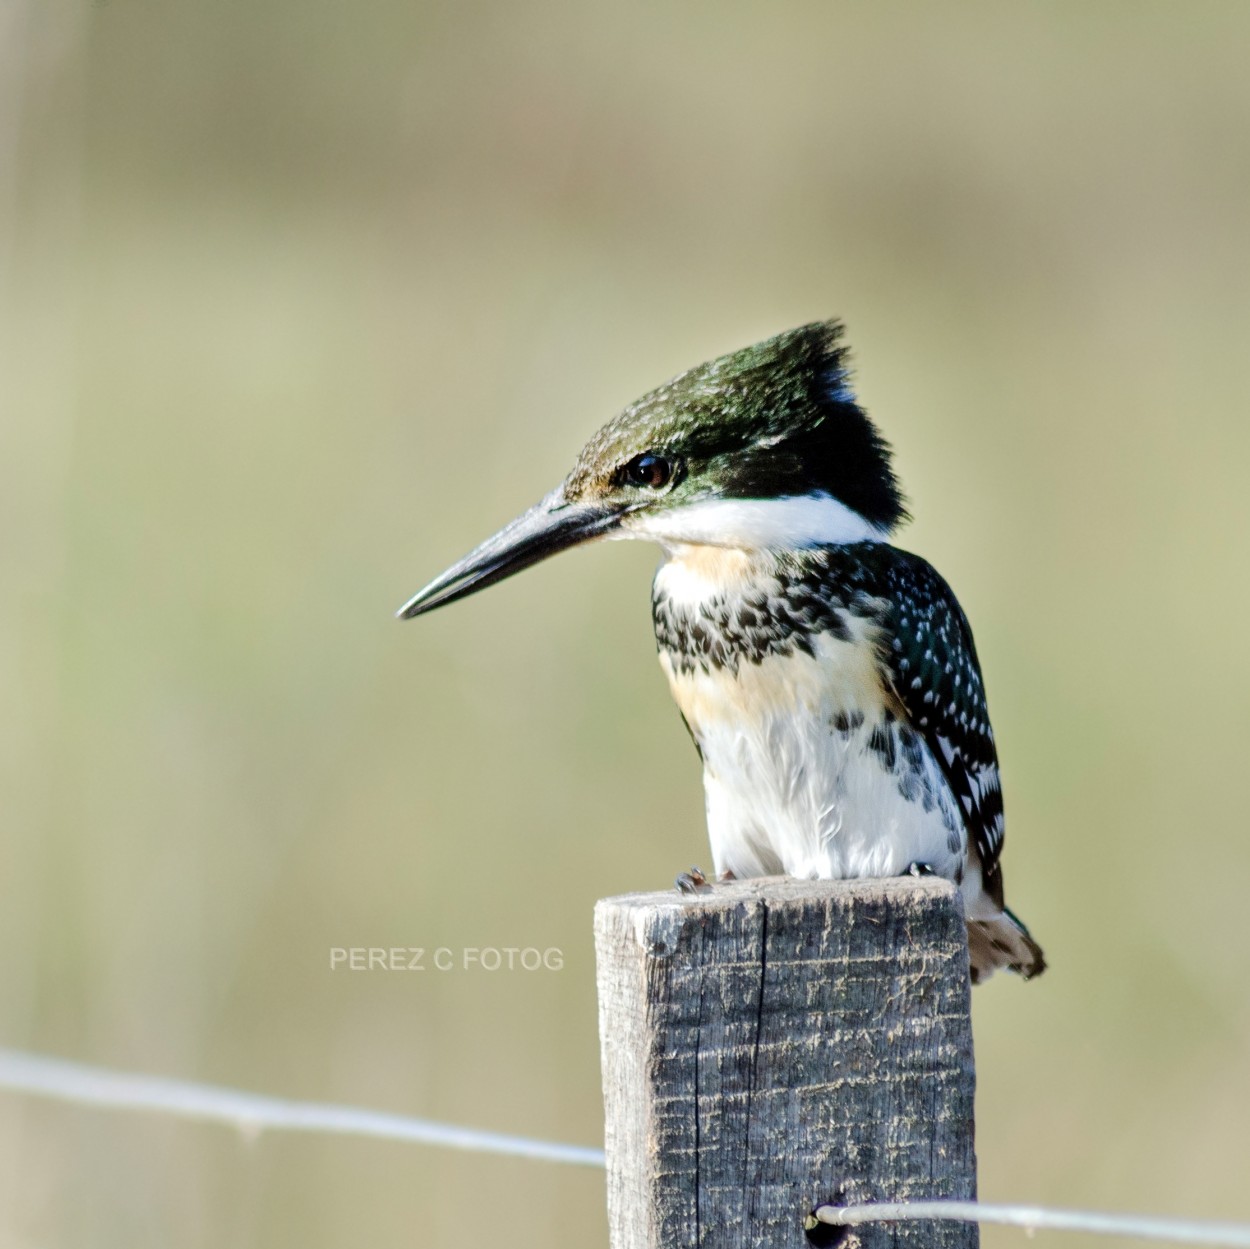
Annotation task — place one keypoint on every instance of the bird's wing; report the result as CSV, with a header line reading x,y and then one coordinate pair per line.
x,y
933,663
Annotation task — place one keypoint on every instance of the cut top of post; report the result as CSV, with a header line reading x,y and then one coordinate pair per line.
x,y
772,1044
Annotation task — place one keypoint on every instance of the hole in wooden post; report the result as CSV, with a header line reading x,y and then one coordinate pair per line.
x,y
824,1235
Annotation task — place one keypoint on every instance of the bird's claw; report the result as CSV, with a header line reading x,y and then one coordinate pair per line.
x,y
920,869
692,881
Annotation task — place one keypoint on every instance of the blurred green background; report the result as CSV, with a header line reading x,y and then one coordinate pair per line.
x,y
301,300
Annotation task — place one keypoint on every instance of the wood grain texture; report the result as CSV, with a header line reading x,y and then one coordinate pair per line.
x,y
774,1044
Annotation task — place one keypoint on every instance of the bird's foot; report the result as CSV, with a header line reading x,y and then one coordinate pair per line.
x,y
920,869
692,881
695,881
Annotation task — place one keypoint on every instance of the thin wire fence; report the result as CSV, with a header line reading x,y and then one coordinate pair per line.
x,y
1035,1219
252,1113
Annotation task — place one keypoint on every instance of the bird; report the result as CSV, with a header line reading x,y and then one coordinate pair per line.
x,y
827,677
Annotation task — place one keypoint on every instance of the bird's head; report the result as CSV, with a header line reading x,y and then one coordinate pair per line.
x,y
765,448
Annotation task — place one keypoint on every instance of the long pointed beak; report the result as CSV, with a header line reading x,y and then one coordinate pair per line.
x,y
549,527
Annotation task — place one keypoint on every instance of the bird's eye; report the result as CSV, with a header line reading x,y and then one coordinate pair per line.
x,y
652,471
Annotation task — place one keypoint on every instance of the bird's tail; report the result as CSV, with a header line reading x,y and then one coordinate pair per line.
x,y
1002,942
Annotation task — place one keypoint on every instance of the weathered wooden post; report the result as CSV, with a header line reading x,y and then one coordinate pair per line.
x,y
774,1044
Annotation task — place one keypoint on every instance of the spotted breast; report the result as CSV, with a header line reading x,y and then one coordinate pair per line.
x,y
780,664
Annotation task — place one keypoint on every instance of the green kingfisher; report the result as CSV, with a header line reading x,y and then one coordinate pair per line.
x,y
828,678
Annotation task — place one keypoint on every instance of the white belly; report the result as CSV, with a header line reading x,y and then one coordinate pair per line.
x,y
793,784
